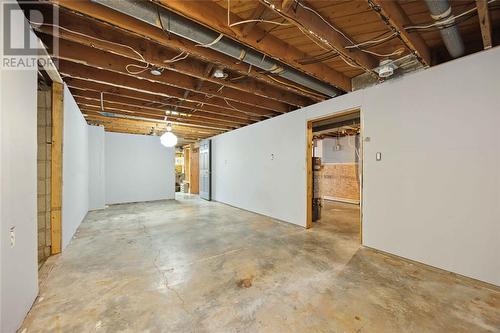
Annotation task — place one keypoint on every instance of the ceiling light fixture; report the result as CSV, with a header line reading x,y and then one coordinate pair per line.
x,y
219,73
156,71
386,68
168,139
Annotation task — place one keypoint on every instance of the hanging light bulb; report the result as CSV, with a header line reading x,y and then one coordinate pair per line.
x,y
168,139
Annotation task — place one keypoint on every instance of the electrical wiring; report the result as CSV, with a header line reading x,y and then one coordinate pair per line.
x,y
261,21
397,52
215,41
373,41
290,85
328,23
181,56
312,39
319,58
142,68
267,32
91,37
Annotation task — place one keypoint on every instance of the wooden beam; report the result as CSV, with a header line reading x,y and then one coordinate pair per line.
x,y
161,126
139,28
76,52
76,70
92,118
392,13
131,110
151,106
206,120
256,14
215,17
484,22
150,97
112,39
310,22
56,168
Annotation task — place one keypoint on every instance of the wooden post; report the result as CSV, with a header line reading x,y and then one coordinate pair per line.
x,y
56,167
309,174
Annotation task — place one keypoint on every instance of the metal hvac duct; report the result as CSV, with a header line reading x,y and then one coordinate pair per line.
x,y
149,12
441,10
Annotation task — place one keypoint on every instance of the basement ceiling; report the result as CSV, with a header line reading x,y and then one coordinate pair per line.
x,y
108,58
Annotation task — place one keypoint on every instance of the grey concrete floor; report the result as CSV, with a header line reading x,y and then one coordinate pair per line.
x,y
195,266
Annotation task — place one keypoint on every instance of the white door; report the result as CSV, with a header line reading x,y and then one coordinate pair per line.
x,y
205,169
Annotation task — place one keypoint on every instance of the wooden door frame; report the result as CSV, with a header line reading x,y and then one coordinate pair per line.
x,y
309,166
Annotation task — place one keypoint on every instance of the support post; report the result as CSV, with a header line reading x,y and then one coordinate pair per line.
x,y
56,167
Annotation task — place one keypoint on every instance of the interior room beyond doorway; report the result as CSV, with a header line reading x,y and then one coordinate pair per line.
x,y
337,173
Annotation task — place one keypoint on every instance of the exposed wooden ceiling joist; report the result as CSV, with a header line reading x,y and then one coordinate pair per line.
x,y
153,106
306,18
215,17
109,106
159,126
98,87
128,45
133,26
392,13
79,53
76,70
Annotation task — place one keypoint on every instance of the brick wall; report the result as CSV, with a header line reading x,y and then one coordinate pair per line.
x,y
44,132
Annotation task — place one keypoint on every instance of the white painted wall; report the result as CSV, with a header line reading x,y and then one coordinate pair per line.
x,y
432,198
97,190
75,201
138,168
18,193
346,154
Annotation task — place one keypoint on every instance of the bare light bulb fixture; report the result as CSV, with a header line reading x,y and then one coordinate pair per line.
x,y
337,144
168,139
219,73
155,71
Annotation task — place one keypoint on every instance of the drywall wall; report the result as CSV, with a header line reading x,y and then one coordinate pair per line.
x,y
432,198
97,198
346,154
75,201
138,168
18,192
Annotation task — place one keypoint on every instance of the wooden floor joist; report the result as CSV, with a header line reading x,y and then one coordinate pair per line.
x,y
139,28
111,40
91,87
76,70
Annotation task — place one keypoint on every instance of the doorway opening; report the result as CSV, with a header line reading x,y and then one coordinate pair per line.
x,y
334,169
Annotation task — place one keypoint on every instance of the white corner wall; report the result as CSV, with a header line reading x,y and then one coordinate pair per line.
x,y
97,198
75,201
18,192
434,197
138,168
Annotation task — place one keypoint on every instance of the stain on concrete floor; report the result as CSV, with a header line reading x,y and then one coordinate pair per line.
x,y
184,266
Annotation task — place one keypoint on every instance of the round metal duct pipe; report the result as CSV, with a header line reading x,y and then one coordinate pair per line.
x,y
441,10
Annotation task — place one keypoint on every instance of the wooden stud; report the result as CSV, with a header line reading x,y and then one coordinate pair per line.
x,y
309,174
484,22
56,167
